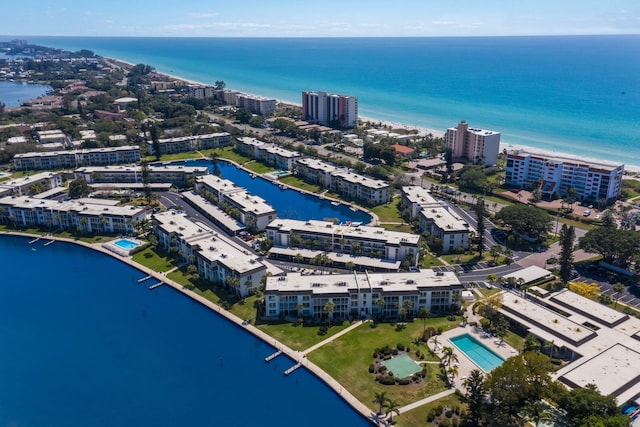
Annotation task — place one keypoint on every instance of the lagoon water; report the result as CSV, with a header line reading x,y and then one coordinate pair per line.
x,y
574,94
84,344
290,204
13,93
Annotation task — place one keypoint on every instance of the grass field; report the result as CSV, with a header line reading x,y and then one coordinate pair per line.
x,y
259,168
389,211
157,262
298,183
227,153
418,416
347,360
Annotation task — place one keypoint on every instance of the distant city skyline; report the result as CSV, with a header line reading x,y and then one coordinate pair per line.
x,y
330,18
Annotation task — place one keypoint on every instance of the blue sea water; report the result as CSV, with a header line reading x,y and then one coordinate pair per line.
x,y
13,93
572,94
84,344
290,204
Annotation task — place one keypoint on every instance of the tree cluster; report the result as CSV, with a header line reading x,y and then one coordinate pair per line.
x,y
525,219
382,152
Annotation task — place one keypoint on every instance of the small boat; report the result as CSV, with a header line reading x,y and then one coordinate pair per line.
x,y
335,203
353,208
283,187
253,175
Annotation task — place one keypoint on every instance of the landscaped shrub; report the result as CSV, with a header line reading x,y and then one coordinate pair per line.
x,y
382,369
386,380
455,422
456,410
372,368
323,330
418,353
440,330
386,350
439,410
430,417
423,373
451,318
449,413
387,357
445,423
400,347
394,351
404,381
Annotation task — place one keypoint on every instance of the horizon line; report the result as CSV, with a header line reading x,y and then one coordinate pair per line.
x,y
326,36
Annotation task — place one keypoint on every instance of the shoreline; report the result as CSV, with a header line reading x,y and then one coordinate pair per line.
x,y
424,130
298,357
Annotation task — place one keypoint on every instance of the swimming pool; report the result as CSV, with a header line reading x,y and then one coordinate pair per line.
x,y
126,244
482,356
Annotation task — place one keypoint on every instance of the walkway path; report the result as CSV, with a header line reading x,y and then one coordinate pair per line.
x,y
332,337
427,400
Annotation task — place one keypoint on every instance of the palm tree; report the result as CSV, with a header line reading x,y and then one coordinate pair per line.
x,y
328,309
452,372
392,406
407,305
449,356
300,309
380,303
424,315
492,279
538,412
380,398
298,258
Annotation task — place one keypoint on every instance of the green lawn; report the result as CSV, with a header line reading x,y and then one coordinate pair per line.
x,y
429,261
297,337
298,183
173,157
347,360
157,262
227,153
418,416
388,212
405,228
259,168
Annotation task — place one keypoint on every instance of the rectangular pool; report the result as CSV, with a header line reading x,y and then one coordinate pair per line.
x,y
126,244
482,356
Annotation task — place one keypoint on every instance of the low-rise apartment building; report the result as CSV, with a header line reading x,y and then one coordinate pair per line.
x,y
256,104
343,181
436,219
190,143
77,158
173,174
86,216
379,295
218,259
36,183
270,154
348,238
252,211
556,175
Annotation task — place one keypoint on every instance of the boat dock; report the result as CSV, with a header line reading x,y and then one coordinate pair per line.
x,y
35,240
152,287
270,357
293,368
49,242
144,278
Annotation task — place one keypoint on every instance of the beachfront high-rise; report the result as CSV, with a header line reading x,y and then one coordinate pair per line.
x,y
556,174
478,146
329,109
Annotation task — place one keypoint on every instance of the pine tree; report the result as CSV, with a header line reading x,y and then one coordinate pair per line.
x,y
567,236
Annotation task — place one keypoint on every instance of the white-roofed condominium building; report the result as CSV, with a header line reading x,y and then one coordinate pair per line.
x,y
379,295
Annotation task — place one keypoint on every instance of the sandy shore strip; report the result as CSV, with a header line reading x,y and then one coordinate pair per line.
x,y
298,357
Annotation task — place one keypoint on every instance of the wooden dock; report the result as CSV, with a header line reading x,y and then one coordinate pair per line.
x,y
144,278
152,287
34,240
270,357
49,242
293,368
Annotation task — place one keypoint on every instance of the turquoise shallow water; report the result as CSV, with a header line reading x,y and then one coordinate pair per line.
x,y
85,344
477,352
574,94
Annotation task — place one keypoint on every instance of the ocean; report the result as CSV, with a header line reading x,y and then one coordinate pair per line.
x,y
573,94
85,344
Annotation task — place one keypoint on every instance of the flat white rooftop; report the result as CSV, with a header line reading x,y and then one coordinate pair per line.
x,y
615,371
589,308
529,274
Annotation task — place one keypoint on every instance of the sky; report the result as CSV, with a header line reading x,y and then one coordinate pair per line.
x,y
322,18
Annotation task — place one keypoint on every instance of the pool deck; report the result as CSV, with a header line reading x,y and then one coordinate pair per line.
x,y
466,365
